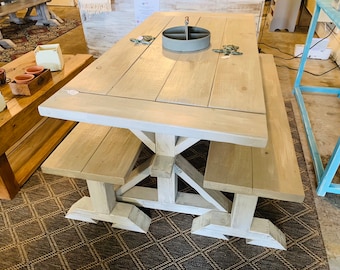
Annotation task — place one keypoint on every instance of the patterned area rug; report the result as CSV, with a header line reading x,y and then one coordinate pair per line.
x,y
34,234
28,36
332,198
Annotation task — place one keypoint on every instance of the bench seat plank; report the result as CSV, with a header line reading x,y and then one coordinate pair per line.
x,y
276,170
271,172
234,163
114,158
71,156
85,154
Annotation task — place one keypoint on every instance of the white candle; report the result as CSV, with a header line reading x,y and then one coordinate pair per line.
x,y
2,103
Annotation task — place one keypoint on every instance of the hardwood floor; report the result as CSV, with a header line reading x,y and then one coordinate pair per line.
x,y
324,111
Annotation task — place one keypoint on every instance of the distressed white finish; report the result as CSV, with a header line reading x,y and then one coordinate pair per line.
x,y
102,205
123,216
166,196
218,225
105,21
186,203
240,223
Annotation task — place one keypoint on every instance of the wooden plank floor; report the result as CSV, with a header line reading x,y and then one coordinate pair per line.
x,y
324,111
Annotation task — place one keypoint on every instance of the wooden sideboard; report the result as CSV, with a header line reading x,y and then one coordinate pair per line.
x,y
26,137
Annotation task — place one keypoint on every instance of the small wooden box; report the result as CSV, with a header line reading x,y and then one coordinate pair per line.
x,y
27,89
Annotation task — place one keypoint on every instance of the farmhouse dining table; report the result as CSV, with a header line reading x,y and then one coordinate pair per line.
x,y
171,100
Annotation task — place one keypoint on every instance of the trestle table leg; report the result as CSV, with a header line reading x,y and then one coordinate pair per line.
x,y
102,205
167,165
240,223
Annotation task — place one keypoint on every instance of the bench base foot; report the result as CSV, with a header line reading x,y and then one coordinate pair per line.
x,y
123,216
218,225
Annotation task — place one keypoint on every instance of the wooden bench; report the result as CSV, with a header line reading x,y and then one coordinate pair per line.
x,y
26,137
43,15
98,153
105,157
271,172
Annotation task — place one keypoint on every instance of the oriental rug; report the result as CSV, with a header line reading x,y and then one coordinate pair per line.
x,y
34,233
28,36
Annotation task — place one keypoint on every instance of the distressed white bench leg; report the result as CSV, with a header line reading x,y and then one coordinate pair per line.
x,y
240,223
102,205
242,211
102,196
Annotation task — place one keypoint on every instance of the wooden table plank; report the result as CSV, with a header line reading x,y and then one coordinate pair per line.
x,y
188,121
238,82
191,78
106,71
145,81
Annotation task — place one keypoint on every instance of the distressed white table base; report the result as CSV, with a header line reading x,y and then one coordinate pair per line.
x,y
218,216
240,223
167,164
102,205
